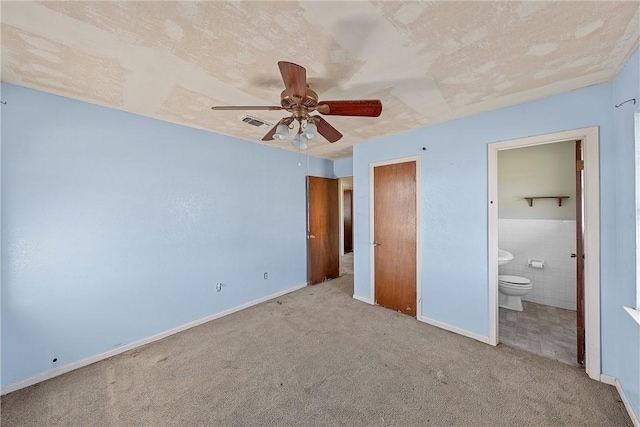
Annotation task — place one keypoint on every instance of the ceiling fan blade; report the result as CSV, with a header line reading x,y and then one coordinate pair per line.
x,y
269,135
295,79
357,107
330,133
247,107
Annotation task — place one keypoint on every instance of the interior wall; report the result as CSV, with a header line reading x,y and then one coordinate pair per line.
x,y
541,170
454,210
117,227
625,342
454,202
343,167
454,197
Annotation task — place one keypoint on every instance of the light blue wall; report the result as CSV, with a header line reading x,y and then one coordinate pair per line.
x,y
626,86
453,223
343,168
116,227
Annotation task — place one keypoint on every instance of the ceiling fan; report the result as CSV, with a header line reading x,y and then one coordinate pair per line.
x,y
301,101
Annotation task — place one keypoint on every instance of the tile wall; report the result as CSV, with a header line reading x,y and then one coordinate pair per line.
x,y
550,240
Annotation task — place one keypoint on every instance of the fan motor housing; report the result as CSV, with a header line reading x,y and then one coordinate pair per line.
x,y
289,103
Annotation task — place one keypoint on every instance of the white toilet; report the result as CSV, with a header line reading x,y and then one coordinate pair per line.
x,y
511,288
510,291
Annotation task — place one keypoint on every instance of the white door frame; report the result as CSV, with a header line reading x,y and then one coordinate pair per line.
x,y
371,228
591,225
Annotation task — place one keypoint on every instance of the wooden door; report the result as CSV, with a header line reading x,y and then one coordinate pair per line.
x,y
579,255
323,233
394,201
347,213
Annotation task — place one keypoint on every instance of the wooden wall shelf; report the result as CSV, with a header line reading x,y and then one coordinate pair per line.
x,y
531,199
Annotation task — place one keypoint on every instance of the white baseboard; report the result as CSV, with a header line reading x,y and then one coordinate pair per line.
x,y
455,329
96,358
367,300
615,382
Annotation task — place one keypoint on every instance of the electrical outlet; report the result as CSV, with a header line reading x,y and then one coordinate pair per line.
x,y
266,275
218,287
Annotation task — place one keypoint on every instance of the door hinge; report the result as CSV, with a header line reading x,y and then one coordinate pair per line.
x,y
579,165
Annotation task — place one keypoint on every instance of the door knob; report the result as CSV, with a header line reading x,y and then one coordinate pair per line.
x,y
574,256
311,236
376,243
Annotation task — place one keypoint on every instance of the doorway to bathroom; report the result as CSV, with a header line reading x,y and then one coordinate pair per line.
x,y
538,288
535,209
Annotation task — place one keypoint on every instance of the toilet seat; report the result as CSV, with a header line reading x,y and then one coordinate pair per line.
x,y
513,280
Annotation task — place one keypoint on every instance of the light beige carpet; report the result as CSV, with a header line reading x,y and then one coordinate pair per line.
x,y
319,357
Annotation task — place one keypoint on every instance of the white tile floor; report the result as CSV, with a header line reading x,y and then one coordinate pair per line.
x,y
541,329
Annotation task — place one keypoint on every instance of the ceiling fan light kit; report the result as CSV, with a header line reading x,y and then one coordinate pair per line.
x,y
300,142
299,100
282,132
311,130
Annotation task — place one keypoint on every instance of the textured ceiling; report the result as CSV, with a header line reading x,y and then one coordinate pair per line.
x,y
427,61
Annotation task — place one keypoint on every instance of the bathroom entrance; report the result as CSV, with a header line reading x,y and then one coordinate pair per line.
x,y
535,234
537,223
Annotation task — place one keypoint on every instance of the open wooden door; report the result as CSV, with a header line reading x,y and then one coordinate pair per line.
x,y
323,232
395,229
579,255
